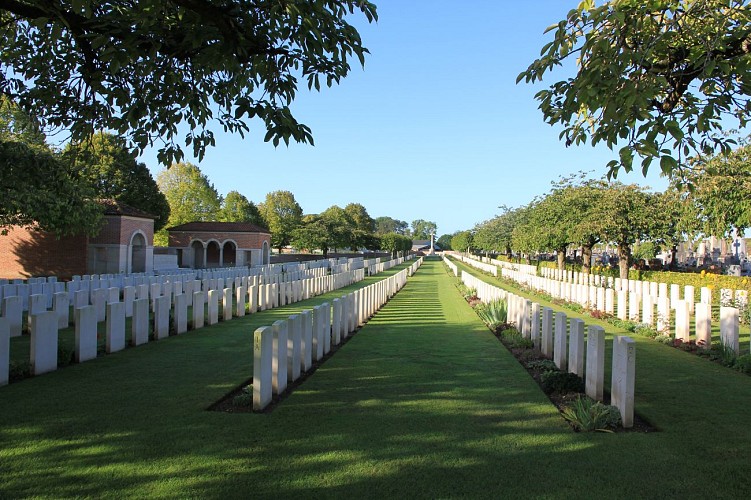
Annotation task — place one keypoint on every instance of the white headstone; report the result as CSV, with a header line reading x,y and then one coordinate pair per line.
x,y
294,343
86,333
4,351
576,347
279,357
213,316
595,375
560,342
262,367
198,310
43,329
623,378
306,346
729,328
115,327
140,323
181,313
546,344
703,320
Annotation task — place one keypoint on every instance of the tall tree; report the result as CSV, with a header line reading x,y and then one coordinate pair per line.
x,y
385,225
422,229
39,190
312,234
282,215
363,226
462,241
445,241
141,68
235,207
628,215
720,192
656,78
190,195
113,170
339,226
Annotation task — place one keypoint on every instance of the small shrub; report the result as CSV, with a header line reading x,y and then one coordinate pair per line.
x,y
724,354
64,355
528,355
588,415
597,314
543,365
19,370
664,339
743,364
629,326
244,399
493,313
561,382
513,339
646,331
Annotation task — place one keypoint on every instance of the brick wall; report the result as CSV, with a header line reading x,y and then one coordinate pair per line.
x,y
244,240
118,230
25,253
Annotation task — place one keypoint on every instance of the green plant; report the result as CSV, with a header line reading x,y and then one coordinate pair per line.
x,y
743,364
723,353
64,355
588,415
19,370
514,340
646,330
493,313
629,326
665,339
561,382
245,399
543,365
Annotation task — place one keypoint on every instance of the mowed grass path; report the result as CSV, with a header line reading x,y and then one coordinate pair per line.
x,y
422,402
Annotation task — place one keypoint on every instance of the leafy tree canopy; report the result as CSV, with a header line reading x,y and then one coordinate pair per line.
x,y
190,195
422,229
282,215
654,78
39,190
445,241
114,173
385,225
462,241
235,207
142,68
720,194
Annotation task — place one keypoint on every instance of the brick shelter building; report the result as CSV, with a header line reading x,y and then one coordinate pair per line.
x,y
125,244
202,245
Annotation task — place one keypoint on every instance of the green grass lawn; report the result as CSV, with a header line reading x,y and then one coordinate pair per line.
x,y
422,402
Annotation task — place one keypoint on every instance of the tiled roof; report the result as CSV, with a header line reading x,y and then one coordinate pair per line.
x,y
224,227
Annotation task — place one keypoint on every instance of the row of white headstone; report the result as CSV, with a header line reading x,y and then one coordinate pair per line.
x,y
288,348
482,266
647,303
166,300
564,342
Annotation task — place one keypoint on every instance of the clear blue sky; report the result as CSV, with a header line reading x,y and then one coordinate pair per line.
x,y
434,127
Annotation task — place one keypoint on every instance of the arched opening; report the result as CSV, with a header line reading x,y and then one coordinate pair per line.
x,y
229,253
265,253
138,253
213,254
198,254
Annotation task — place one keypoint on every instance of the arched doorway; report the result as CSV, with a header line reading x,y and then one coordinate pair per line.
x,y
138,253
213,254
229,253
265,253
198,254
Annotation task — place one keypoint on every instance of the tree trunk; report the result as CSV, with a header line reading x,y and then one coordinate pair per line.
x,y
624,260
325,252
586,258
562,259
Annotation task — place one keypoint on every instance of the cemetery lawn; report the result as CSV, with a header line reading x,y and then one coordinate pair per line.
x,y
422,402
